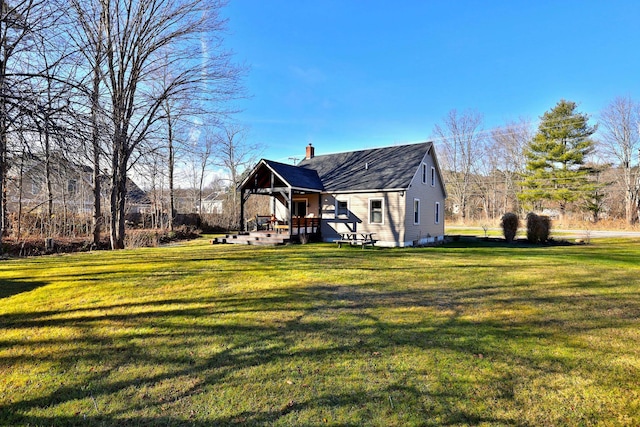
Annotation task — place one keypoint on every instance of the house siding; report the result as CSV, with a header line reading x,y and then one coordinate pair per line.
x,y
427,230
388,233
70,187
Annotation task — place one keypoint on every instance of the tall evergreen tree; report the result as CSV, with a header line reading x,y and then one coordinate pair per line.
x,y
555,158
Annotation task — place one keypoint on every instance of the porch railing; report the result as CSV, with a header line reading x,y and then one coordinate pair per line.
x,y
303,225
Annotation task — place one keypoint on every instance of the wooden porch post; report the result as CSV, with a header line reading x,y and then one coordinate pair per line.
x,y
273,199
289,206
242,225
320,206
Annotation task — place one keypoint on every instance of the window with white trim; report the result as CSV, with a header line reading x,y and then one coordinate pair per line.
x,y
424,173
376,208
342,208
433,176
437,213
416,211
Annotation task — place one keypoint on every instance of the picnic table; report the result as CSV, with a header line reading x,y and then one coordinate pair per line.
x,y
281,228
361,239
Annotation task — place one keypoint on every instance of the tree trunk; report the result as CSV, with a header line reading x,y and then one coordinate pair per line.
x,y
95,140
118,192
20,194
47,176
121,211
3,172
629,206
200,186
463,210
3,142
97,203
563,211
172,197
631,199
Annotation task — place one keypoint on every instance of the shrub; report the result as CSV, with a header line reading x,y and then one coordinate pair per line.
x,y
545,228
538,228
145,238
141,238
509,224
183,232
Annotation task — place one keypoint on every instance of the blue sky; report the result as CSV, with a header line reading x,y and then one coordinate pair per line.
x,y
348,75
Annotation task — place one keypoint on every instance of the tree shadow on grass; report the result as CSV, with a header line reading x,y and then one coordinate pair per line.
x,y
499,242
347,322
10,287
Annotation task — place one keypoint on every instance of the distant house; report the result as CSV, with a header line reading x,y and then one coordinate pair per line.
x,y
213,203
395,192
186,201
137,200
70,185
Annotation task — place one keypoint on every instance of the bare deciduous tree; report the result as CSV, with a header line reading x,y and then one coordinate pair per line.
x,y
620,141
178,127
508,144
203,158
462,140
234,154
88,33
19,22
137,35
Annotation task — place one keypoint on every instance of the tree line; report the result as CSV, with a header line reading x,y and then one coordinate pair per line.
x,y
566,166
95,91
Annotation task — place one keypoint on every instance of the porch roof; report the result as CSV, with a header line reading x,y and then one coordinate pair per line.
x,y
296,177
288,175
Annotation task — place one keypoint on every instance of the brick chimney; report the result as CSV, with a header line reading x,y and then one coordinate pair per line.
x,y
311,152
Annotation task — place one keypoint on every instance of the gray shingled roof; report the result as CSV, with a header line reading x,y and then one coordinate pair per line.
x,y
301,178
375,169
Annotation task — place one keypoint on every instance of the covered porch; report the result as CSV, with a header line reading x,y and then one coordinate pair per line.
x,y
294,205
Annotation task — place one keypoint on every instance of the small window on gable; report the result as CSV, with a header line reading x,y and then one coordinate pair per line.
x,y
433,176
437,213
424,173
342,208
375,211
72,187
35,187
416,211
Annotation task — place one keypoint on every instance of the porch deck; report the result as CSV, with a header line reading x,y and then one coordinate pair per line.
x,y
263,238
258,238
300,226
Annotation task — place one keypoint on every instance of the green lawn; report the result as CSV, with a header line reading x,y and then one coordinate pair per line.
x,y
315,335
494,231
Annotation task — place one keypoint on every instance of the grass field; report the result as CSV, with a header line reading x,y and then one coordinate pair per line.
x,y
478,231
206,335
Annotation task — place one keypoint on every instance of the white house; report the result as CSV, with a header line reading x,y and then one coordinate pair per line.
x,y
395,192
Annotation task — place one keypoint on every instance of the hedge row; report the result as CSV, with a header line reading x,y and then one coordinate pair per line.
x,y
538,227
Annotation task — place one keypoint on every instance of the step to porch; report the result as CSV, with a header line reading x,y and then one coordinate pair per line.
x,y
254,238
